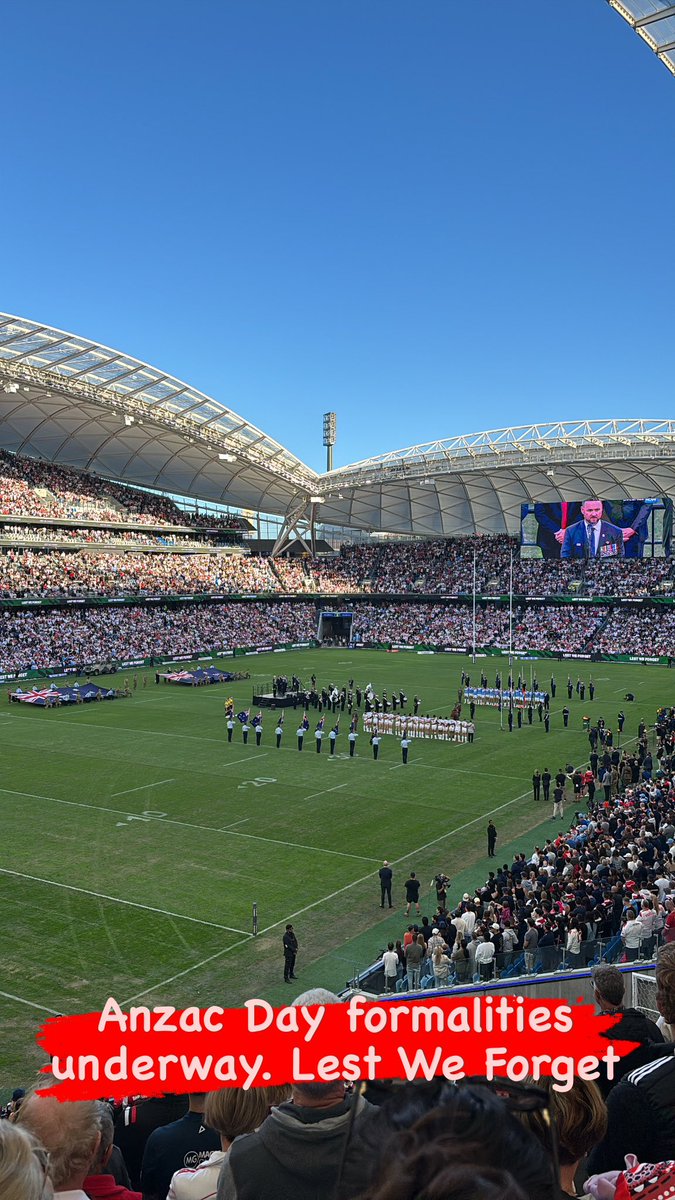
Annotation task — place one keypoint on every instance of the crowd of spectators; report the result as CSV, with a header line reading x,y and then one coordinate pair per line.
x,y
445,567
58,573
605,887
541,628
130,632
436,1139
37,639
645,632
56,534
31,488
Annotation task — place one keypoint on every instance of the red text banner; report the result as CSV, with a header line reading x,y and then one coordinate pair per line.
x,y
116,1053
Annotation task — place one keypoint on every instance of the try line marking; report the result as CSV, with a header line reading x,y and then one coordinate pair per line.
x,y
315,903
69,887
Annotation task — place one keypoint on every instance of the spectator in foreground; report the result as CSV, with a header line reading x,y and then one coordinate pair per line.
x,y
634,1026
23,1165
70,1132
641,1108
443,1142
176,1145
231,1112
580,1117
305,1147
100,1183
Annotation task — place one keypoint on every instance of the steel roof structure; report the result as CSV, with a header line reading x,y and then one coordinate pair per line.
x,y
477,483
654,21
71,401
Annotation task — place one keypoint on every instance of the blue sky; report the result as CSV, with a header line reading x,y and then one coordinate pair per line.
x,y
431,216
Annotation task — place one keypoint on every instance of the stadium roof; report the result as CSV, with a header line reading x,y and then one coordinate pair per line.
x,y
478,482
654,21
68,400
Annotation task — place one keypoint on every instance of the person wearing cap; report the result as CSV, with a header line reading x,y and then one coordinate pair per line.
x,y
386,875
436,940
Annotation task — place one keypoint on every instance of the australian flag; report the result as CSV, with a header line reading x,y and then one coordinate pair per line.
x,y
320,723
257,720
243,716
354,724
305,721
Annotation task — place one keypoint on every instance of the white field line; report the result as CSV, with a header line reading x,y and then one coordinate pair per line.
x,y
165,982
143,786
69,887
326,790
188,825
40,1007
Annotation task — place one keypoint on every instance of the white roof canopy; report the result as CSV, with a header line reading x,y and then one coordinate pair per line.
x,y
68,400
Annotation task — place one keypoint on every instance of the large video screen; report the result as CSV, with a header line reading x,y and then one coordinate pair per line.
x,y
597,529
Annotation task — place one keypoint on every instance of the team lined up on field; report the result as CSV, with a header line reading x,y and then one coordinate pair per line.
x,y
444,729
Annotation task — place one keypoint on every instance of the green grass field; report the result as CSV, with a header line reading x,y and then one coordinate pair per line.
x,y
135,840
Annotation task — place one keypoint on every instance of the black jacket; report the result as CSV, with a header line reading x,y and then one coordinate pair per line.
x,y
641,1110
634,1026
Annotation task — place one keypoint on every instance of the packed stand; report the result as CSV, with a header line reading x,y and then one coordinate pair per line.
x,y
57,573
445,566
544,628
46,534
646,632
38,640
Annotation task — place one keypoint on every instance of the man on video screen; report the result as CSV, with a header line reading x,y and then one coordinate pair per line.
x,y
591,537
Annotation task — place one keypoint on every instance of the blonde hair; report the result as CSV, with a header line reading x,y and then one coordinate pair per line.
x,y
232,1111
22,1175
70,1131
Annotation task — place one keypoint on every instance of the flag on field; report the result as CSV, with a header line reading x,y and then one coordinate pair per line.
x,y
243,716
257,720
305,721
354,724
320,723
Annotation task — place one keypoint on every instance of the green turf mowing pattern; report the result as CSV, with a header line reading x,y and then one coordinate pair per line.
x,y
135,839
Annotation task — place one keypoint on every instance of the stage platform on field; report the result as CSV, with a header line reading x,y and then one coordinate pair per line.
x,y
268,700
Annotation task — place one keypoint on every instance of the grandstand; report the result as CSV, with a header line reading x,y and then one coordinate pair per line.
x,y
107,570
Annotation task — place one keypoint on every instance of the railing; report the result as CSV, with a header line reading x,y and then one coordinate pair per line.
x,y
546,960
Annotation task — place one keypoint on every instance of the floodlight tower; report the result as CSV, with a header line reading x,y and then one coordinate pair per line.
x,y
329,437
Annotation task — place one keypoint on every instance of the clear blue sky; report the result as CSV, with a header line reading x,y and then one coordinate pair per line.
x,y
432,216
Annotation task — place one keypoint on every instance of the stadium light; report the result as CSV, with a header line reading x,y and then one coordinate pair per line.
x,y
317,500
128,419
227,457
329,437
